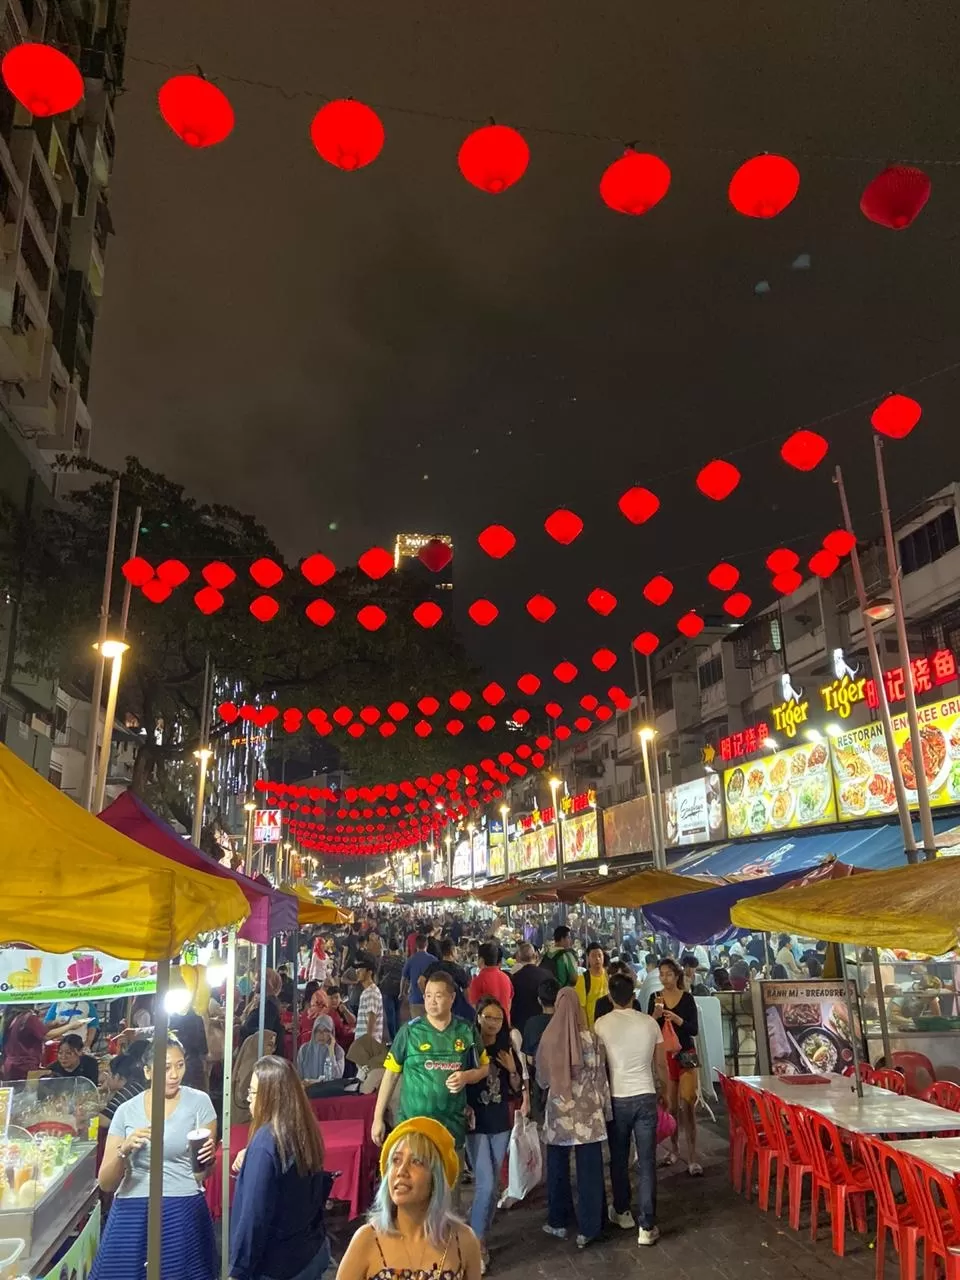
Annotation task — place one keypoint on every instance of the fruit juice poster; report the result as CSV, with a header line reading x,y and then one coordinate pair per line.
x,y
38,977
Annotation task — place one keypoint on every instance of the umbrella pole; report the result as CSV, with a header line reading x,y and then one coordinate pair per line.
x,y
854,1035
295,1025
157,1118
882,1010
262,1011
228,1021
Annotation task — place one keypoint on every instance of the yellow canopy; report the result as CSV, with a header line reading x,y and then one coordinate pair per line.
x,y
309,911
644,887
914,907
71,881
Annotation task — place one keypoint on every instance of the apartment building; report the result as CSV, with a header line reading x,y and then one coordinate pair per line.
x,y
54,227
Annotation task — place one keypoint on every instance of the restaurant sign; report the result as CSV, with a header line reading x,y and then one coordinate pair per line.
x,y
581,838
693,812
782,792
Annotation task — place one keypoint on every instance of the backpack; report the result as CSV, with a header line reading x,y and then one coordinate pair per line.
x,y
551,961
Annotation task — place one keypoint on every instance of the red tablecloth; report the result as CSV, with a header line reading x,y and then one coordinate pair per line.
x,y
343,1142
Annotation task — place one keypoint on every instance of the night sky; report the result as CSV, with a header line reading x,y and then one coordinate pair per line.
x,y
395,349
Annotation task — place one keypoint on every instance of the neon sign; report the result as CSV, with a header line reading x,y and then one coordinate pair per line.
x,y
744,742
939,668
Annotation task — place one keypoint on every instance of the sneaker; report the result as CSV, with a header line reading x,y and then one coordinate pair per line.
x,y
583,1241
645,1236
624,1220
484,1261
559,1232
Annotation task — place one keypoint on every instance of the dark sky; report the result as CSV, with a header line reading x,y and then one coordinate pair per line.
x,y
395,349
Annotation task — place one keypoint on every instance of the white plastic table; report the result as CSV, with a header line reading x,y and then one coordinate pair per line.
x,y
837,1087
942,1153
879,1111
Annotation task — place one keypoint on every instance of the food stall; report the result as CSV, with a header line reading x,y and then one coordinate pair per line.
x,y
74,884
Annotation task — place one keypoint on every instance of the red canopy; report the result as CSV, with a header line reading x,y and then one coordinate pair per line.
x,y
440,892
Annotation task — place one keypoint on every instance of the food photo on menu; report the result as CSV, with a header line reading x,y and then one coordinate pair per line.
x,y
777,793
808,1028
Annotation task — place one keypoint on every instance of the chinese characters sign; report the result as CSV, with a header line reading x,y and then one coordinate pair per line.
x,y
928,673
744,742
266,826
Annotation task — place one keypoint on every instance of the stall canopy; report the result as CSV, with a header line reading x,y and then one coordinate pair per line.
x,y
271,912
440,893
912,907
646,886
71,881
308,911
870,847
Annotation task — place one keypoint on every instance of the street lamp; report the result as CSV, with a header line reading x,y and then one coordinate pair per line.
x,y
470,830
249,809
647,735
114,651
555,784
504,816
202,755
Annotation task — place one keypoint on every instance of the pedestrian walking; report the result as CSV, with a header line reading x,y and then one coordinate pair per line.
x,y
678,1008
592,985
370,1021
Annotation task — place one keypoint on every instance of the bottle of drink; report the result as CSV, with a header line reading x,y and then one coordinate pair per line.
x,y
328,1068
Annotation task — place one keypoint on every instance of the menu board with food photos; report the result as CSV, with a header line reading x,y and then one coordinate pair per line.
x,y
536,848
861,762
498,865
808,1028
781,792
580,839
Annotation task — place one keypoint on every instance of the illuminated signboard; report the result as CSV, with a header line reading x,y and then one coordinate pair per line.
x,y
479,854
742,743
579,803
581,837
628,827
497,859
781,792
693,812
928,673
266,826
461,861
840,696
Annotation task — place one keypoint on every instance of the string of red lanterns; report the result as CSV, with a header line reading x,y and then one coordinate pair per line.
x,y
349,135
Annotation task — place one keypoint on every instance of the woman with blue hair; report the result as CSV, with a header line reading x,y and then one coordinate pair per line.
x,y
411,1230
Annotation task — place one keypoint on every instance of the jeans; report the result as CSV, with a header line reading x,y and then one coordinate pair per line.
x,y
591,1196
487,1154
391,1014
635,1116
316,1266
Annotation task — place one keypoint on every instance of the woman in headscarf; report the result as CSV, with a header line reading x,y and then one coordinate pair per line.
x,y
571,1065
321,1058
243,1068
314,1003
318,960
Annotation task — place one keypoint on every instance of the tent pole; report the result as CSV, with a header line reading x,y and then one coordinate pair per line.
x,y
157,1118
882,1010
262,1011
228,1021
851,1010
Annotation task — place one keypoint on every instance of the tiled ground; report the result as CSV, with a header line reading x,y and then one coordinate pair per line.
x,y
709,1233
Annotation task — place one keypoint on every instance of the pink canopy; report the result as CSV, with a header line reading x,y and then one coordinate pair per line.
x,y
271,912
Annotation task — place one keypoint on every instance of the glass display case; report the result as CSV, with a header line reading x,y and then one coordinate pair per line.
x,y
919,995
48,1156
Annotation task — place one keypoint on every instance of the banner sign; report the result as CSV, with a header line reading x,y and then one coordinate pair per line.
x,y
78,1260
479,854
808,1026
628,828
497,859
580,838
267,828
693,812
782,792
36,977
461,861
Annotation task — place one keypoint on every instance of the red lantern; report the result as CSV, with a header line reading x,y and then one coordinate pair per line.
x,y
428,705
208,600
369,715
497,541
218,575
658,590
543,743
563,732
422,729
228,712
398,710
264,608
718,479
520,716
634,183
639,504
156,591
376,563
173,572
342,716
428,614
42,79
387,730
823,563
804,450
782,560
137,571
895,197
737,605
604,659
493,158
460,700
528,684
483,612
454,727
371,617
318,569
553,709
786,581
723,576
563,526
356,730
690,625
841,542
646,642
896,416
435,555
320,612
565,672
197,111
602,601
486,723
764,186
266,573
347,134
541,608
582,724
493,694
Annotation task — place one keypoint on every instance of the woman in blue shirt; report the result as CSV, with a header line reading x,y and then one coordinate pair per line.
x,y
277,1231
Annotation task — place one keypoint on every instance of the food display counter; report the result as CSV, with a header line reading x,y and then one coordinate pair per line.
x,y
48,1157
920,1000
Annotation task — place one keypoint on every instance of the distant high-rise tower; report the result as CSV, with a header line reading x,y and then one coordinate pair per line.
x,y
406,557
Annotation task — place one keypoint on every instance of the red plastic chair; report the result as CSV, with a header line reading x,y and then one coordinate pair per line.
x,y
917,1068
943,1093
867,1073
902,1219
765,1144
794,1163
843,1185
738,1140
939,1206
888,1078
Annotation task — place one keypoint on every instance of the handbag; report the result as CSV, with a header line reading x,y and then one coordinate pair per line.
x,y
687,1060
671,1041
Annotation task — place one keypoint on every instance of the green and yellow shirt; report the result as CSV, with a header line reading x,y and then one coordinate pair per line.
x,y
426,1057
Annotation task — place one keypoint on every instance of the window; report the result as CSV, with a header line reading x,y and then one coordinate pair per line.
x,y
623,723
710,673
663,697
928,543
56,777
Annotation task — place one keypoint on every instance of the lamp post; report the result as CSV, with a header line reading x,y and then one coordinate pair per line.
x,y
470,830
555,784
504,818
201,756
448,841
93,731
647,735
114,651
248,809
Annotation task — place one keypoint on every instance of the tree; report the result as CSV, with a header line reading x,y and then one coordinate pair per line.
x,y
58,562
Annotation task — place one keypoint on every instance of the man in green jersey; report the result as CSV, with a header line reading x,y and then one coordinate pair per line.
x,y
433,1058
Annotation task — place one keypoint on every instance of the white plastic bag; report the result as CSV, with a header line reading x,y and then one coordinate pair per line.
x,y
526,1160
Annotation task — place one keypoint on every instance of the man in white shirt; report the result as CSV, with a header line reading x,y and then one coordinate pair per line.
x,y
636,1063
651,983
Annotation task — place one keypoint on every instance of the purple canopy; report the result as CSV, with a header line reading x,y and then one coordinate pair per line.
x,y
271,912
701,917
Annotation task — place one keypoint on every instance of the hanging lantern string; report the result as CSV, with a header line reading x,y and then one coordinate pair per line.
x,y
582,135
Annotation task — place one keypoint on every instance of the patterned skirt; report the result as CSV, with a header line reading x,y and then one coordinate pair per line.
x,y
189,1250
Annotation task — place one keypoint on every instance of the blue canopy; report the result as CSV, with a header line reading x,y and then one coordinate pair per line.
x,y
698,917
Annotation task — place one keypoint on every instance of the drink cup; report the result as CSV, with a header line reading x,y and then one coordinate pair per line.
x,y
35,964
195,1140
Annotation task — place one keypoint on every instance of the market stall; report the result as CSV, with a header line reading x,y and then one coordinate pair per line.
x,y
72,882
